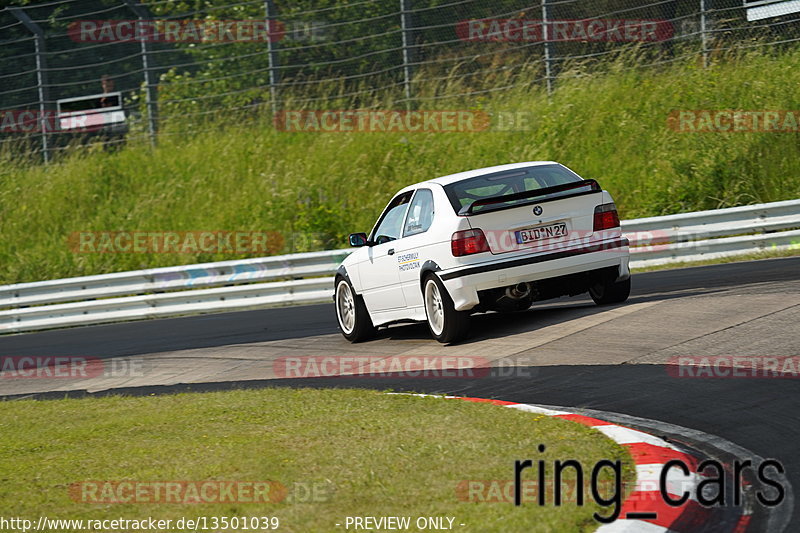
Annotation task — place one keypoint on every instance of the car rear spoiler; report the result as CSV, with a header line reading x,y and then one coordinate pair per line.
x,y
594,187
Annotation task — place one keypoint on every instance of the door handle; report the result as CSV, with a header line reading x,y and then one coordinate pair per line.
x,y
390,251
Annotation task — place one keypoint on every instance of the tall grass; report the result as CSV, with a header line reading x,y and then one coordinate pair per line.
x,y
316,187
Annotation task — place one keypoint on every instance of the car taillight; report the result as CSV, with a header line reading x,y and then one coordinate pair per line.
x,y
467,242
605,217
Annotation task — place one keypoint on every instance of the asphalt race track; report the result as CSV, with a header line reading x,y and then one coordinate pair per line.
x,y
132,338
566,353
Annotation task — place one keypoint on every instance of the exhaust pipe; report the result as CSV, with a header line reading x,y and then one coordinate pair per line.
x,y
519,291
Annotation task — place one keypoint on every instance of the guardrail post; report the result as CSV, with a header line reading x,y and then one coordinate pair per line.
x,y
407,32
547,50
41,74
272,54
151,96
703,37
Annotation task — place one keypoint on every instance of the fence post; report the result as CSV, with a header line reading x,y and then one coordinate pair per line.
x,y
547,51
272,54
151,97
407,32
703,37
41,75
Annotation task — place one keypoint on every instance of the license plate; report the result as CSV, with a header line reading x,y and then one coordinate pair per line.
x,y
542,232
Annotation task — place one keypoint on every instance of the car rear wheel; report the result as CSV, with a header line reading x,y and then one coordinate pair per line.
x,y
608,291
351,313
445,323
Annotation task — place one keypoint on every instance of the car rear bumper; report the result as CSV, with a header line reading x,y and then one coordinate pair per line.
x,y
463,283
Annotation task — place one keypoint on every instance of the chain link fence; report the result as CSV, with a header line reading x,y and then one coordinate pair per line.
x,y
75,73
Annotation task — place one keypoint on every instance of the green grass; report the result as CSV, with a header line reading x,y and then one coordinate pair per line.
x,y
368,453
315,188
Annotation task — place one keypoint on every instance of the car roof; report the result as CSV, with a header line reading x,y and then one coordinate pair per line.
x,y
452,178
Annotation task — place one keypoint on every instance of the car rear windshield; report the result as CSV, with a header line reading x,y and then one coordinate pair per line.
x,y
525,179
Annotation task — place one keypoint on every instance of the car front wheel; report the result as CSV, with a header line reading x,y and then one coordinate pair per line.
x,y
351,313
445,323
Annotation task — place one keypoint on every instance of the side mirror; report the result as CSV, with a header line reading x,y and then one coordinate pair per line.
x,y
358,239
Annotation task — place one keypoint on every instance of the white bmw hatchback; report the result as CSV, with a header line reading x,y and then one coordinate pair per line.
x,y
493,239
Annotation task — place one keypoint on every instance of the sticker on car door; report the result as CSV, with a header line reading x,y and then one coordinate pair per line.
x,y
409,261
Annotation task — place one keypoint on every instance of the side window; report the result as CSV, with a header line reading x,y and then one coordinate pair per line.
x,y
420,213
391,223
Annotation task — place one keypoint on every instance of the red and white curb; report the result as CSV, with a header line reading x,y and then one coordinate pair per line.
x,y
650,454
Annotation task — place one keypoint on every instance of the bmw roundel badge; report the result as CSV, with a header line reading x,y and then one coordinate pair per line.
x,y
537,210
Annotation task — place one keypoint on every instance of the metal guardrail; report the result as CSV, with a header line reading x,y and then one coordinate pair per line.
x,y
307,278
713,234
169,291
205,275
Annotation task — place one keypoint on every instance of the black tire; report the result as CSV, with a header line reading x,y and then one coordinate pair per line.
x,y
445,323
515,306
345,300
607,291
